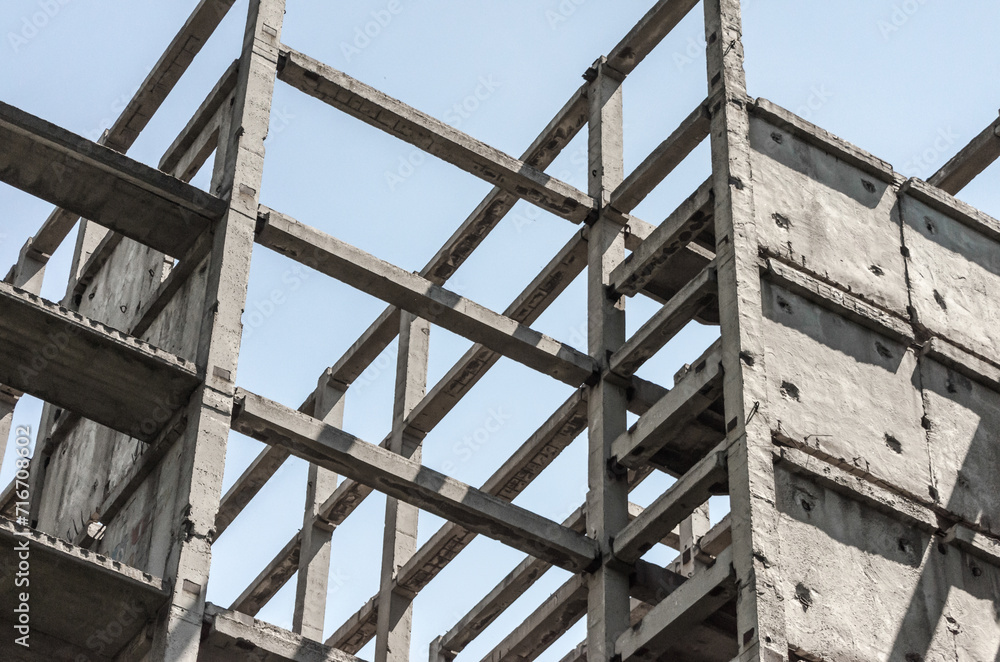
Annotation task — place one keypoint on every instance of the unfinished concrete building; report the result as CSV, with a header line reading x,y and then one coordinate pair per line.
x,y
850,408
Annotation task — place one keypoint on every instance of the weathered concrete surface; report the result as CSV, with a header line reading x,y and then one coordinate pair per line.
x,y
79,601
864,586
829,217
964,418
954,275
844,391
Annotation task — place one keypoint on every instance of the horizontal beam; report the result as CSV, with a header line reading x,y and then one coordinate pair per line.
x,y
695,392
691,490
662,161
970,161
693,602
85,367
411,482
231,636
667,240
700,293
433,136
100,184
507,482
417,295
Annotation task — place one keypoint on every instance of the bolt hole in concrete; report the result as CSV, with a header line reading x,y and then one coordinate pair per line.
x,y
790,390
930,225
877,270
868,185
893,444
940,300
784,305
777,137
781,221
804,596
883,351
905,546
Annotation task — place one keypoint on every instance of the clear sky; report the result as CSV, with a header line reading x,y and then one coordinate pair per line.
x,y
911,81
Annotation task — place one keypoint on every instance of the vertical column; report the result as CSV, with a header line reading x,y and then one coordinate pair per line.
x,y
203,446
607,495
760,611
314,557
399,543
693,528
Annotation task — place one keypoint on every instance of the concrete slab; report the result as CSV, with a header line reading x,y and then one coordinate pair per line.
x,y
78,601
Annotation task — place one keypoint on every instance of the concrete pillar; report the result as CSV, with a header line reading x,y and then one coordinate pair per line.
x,y
30,268
607,496
399,543
314,557
8,400
692,529
760,605
203,447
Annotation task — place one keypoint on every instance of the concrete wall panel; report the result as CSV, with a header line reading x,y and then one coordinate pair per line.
x,y
860,586
955,278
964,437
826,216
844,390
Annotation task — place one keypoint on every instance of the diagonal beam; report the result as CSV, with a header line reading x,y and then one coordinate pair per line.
x,y
506,483
671,508
695,600
422,298
683,307
271,579
662,161
667,240
971,160
85,367
647,33
433,136
413,483
102,185
694,393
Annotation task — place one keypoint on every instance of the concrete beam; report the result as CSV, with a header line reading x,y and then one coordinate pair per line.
x,y
81,365
694,393
516,473
647,33
271,579
422,298
693,602
667,322
230,636
408,481
971,160
433,136
670,237
662,161
101,184
691,490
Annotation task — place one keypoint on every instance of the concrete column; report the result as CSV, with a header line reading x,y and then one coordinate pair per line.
x,y
760,605
692,529
314,557
399,543
8,400
177,633
607,496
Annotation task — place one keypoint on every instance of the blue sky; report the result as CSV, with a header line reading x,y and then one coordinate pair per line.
x,y
907,80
